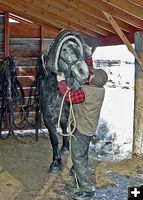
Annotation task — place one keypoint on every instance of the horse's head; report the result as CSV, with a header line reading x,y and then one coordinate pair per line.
x,y
67,55
72,64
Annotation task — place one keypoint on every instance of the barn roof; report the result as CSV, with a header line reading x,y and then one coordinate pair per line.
x,y
97,20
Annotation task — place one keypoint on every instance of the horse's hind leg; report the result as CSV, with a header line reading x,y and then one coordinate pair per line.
x,y
65,145
55,166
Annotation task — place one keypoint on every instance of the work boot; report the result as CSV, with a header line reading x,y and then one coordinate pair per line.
x,y
71,186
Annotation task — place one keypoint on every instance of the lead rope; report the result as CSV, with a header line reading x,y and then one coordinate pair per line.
x,y
71,114
70,134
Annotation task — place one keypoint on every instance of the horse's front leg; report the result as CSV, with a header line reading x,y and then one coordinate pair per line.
x,y
65,145
55,166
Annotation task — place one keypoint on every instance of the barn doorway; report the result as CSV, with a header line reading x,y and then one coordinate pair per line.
x,y
115,128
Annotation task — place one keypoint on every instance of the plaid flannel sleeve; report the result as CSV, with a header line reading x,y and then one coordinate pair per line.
x,y
77,96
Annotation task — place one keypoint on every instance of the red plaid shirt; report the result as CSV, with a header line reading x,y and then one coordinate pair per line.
x,y
89,62
77,96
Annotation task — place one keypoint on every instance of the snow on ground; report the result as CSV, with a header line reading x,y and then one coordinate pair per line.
x,y
115,128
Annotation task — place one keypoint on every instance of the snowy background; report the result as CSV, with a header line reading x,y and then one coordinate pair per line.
x,y
115,129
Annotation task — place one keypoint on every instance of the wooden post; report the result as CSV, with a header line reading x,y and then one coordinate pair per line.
x,y
6,51
41,39
6,34
123,37
138,101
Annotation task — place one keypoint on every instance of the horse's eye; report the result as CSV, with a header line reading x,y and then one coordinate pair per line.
x,y
63,49
80,71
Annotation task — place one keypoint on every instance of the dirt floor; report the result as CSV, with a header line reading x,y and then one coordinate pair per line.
x,y
24,164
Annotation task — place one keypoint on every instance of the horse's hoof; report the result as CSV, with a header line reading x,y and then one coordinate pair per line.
x,y
64,151
55,168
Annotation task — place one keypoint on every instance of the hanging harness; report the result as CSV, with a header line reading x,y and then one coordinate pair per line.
x,y
10,97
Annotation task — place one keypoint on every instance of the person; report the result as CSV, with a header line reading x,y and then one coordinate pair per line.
x,y
87,102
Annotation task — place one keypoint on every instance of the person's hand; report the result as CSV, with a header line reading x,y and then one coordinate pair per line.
x,y
61,77
68,88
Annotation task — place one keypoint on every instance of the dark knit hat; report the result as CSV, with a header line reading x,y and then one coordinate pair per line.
x,y
100,77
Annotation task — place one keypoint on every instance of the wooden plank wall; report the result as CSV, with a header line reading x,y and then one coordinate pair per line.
x,y
25,51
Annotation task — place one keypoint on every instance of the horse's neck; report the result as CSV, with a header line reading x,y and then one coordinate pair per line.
x,y
50,80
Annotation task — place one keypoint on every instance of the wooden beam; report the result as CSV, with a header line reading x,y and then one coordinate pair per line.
x,y
41,16
22,30
10,6
120,14
137,2
19,19
33,14
94,13
127,7
123,37
138,105
74,19
76,15
41,39
108,41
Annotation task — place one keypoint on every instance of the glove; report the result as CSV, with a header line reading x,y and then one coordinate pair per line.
x,y
61,77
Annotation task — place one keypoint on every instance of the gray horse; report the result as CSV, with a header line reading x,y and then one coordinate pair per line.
x,y
66,55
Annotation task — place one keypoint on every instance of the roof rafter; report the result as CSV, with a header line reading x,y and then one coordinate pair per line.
x,y
120,14
19,19
67,17
83,16
123,37
137,2
76,14
41,16
94,13
127,7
